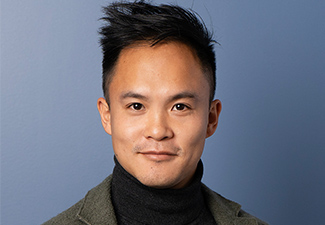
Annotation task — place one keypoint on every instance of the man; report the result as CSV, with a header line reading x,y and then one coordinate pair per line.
x,y
159,84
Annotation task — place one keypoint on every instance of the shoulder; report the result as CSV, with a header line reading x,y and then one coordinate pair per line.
x,y
69,216
88,208
243,214
226,211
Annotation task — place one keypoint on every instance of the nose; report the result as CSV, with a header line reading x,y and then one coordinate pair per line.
x,y
157,127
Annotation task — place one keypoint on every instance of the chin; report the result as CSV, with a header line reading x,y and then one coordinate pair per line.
x,y
162,183
161,175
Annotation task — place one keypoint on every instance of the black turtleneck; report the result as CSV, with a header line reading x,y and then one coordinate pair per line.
x,y
137,204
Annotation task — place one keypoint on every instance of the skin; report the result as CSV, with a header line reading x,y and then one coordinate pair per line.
x,y
159,113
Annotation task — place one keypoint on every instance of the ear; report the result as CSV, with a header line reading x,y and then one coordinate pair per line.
x,y
105,114
214,113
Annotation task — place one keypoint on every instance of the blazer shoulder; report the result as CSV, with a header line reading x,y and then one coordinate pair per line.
x,y
68,216
95,203
226,211
243,213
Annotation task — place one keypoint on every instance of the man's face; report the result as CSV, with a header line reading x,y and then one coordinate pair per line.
x,y
159,114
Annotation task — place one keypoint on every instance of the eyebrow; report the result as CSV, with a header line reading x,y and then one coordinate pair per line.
x,y
181,95
131,94
184,94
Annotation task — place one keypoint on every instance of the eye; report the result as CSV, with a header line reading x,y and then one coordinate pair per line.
x,y
180,107
136,106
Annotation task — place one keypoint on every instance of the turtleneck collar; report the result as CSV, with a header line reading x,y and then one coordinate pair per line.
x,y
136,203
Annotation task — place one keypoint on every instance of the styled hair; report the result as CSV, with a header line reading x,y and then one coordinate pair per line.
x,y
131,22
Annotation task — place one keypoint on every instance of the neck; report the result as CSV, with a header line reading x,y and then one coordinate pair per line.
x,y
134,201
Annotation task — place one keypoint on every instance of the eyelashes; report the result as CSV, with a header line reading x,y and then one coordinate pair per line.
x,y
136,106
180,107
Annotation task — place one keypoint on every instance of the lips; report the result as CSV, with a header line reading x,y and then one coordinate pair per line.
x,y
159,155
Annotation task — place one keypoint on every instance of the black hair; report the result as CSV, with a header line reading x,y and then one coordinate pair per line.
x,y
130,22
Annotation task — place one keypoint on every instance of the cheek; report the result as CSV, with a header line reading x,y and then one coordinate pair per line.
x,y
192,133
125,130
123,141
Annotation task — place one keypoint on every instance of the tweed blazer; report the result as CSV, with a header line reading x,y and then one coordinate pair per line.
x,y
96,209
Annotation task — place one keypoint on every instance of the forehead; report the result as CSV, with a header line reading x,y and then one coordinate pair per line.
x,y
163,51
170,64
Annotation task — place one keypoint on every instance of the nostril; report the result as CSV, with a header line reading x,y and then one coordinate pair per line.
x,y
157,126
159,133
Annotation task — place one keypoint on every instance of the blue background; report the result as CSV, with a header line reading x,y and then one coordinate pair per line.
x,y
268,152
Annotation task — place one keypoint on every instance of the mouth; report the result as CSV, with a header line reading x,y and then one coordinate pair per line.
x,y
158,155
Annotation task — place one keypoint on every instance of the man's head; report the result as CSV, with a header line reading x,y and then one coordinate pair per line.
x,y
129,23
158,90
